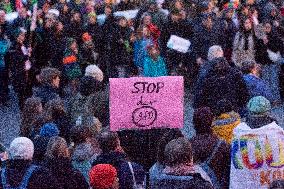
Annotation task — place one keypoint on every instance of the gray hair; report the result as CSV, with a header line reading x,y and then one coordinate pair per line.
x,y
215,51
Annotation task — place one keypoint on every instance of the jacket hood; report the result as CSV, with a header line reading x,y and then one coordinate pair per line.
x,y
112,158
83,152
257,121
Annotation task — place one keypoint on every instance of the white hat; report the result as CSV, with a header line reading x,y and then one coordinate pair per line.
x,y
21,148
95,72
215,51
54,11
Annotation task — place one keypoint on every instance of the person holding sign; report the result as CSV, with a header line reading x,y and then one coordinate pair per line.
x,y
154,65
179,27
257,150
206,34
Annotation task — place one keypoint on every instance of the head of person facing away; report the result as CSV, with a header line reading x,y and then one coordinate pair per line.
x,y
21,148
32,109
178,152
57,148
202,120
166,138
109,141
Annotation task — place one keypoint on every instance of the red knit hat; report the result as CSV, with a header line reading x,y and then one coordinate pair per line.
x,y
102,176
86,37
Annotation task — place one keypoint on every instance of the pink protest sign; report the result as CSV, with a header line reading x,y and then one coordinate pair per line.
x,y
145,103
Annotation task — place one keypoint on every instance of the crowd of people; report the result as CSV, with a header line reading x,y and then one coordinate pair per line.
x,y
58,58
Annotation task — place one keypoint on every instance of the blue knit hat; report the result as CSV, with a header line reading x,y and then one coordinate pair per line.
x,y
258,105
49,130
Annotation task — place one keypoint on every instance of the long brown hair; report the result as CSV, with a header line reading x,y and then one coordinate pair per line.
x,y
32,109
55,109
57,148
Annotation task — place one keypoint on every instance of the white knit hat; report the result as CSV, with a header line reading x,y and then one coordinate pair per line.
x,y
95,72
215,51
21,148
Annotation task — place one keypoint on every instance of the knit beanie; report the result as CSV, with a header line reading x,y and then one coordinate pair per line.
x,y
95,72
215,51
86,37
102,176
49,130
258,105
21,148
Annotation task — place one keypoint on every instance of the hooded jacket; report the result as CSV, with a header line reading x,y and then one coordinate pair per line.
x,y
67,176
41,177
82,158
193,181
224,83
255,121
46,93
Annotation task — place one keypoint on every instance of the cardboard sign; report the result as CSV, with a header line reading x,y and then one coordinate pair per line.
x,y
179,44
257,156
145,103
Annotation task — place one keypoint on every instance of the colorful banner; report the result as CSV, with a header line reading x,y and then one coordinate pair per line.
x,y
145,103
257,156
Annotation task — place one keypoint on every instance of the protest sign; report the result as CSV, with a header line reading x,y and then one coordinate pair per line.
x,y
179,44
257,156
145,103
10,17
129,14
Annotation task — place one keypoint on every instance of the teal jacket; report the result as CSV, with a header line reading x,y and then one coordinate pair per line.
x,y
153,68
4,47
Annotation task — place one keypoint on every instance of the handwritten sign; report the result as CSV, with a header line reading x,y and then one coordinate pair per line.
x,y
145,103
257,156
179,44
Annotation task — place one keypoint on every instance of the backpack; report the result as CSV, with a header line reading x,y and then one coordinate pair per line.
x,y
135,184
131,175
25,181
205,166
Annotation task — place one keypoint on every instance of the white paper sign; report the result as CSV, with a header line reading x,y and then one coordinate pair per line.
x,y
179,44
